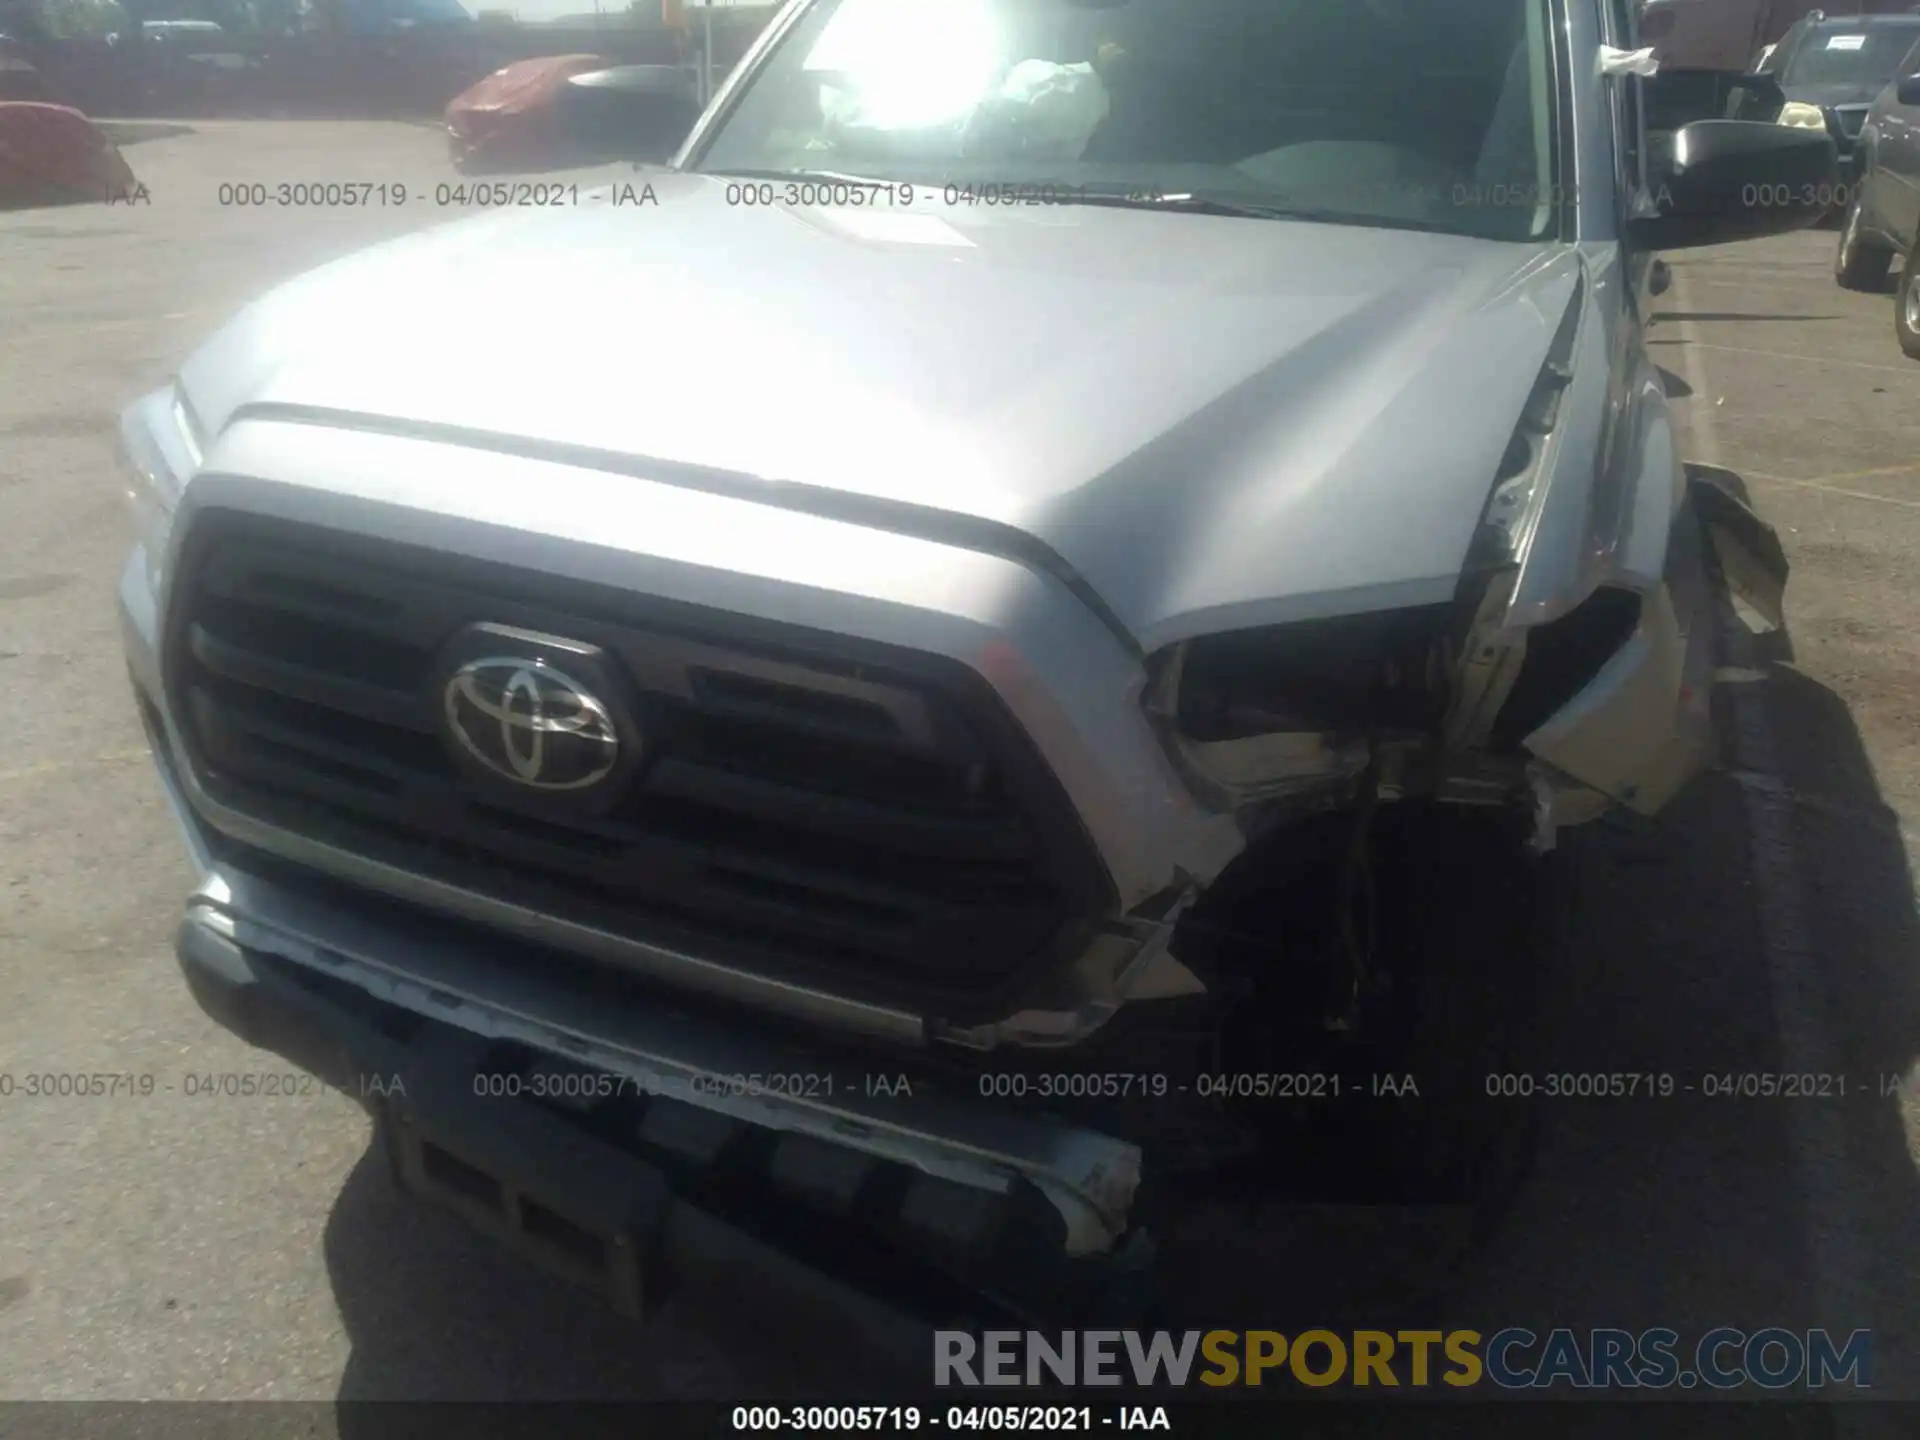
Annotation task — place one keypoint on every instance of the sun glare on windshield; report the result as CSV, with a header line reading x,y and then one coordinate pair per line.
x,y
955,46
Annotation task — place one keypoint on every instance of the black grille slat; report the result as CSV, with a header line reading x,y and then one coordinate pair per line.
x,y
405,754
825,807
973,844
975,853
646,865
334,592
293,681
342,650
297,770
748,906
803,758
242,728
993,837
831,713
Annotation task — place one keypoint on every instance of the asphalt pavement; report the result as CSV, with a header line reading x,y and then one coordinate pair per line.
x,y
204,1246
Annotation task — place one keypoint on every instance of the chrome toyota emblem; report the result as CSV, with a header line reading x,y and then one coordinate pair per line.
x,y
531,724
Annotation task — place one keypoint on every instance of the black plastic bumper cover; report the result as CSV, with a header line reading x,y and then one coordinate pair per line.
x,y
557,1197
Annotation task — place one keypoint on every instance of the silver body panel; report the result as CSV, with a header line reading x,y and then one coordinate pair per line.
x,y
1206,419
1045,443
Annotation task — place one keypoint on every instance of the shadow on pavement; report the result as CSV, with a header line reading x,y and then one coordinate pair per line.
x,y
1862,942
433,1311
1774,902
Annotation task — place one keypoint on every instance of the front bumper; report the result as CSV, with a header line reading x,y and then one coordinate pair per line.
x,y
481,985
478,982
614,1219
726,1069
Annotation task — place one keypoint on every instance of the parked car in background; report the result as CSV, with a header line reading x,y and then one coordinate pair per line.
x,y
1831,70
1883,216
196,66
161,30
200,42
509,120
1728,34
375,18
19,76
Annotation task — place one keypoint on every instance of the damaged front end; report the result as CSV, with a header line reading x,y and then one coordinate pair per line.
x,y
1555,711
1399,775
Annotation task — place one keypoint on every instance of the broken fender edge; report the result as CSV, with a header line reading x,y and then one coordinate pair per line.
x,y
1642,727
1748,549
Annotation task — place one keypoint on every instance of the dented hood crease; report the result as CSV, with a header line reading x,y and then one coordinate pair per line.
x,y
1213,421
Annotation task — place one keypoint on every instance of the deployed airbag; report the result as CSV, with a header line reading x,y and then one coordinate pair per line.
x,y
1058,107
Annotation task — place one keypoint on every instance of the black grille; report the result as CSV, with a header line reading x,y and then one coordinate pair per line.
x,y
805,805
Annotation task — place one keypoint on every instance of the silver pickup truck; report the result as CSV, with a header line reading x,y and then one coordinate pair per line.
x,y
954,666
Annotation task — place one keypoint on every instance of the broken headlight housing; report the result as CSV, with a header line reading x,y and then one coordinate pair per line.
x,y
1284,708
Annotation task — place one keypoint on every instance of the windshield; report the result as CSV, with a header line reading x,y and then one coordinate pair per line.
x,y
1379,111
1868,57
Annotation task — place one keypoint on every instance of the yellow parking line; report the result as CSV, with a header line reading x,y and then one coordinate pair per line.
x,y
54,767
1825,489
1873,474
1912,372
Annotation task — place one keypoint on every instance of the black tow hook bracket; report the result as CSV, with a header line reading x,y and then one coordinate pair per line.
x,y
501,1165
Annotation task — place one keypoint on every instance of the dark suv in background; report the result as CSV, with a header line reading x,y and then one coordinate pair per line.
x,y
1883,213
1832,69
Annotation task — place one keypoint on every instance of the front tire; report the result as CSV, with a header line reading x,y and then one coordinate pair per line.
x,y
1489,919
1375,1205
1860,262
1906,312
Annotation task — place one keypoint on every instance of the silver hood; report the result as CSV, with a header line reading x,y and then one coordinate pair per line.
x,y
1213,422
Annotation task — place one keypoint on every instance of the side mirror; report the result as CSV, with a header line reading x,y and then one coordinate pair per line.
x,y
1717,181
631,112
1907,92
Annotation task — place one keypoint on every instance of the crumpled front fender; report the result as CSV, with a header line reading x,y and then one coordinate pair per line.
x,y
1643,727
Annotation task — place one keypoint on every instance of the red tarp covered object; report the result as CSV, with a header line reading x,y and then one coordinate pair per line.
x,y
508,117
50,154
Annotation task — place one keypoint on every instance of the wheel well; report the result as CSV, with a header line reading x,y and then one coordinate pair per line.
x,y
1274,928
